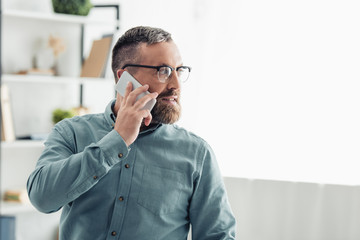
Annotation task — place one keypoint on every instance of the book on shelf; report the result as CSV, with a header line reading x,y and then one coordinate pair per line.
x,y
37,72
7,227
7,124
16,195
96,63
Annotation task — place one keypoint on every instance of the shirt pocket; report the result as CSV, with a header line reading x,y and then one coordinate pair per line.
x,y
160,190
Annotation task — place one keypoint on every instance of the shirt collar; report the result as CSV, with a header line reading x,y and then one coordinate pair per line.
x,y
109,114
151,129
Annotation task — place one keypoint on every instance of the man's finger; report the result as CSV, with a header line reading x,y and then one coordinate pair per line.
x,y
127,91
148,118
131,98
145,99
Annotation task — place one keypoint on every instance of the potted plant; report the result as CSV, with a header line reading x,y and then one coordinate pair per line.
x,y
60,114
75,7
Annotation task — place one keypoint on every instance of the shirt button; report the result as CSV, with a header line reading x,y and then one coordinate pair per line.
x,y
120,155
121,199
127,165
113,233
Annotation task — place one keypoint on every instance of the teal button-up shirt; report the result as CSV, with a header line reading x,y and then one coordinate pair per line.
x,y
153,189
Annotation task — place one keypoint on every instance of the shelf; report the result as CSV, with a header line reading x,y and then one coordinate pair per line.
x,y
57,17
50,79
10,208
22,144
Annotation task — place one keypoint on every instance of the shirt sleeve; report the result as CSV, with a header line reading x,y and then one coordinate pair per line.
x,y
62,175
210,212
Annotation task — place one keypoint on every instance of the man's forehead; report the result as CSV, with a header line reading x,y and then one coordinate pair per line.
x,y
159,52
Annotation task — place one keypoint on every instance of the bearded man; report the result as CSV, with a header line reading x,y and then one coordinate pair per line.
x,y
129,173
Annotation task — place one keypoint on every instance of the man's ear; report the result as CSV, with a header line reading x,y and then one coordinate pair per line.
x,y
119,73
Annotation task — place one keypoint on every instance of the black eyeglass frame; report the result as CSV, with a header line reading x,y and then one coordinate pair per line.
x,y
158,68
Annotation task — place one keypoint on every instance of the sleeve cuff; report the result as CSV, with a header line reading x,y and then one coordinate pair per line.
x,y
113,147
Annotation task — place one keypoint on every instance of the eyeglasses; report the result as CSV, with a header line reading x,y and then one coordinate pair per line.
x,y
164,72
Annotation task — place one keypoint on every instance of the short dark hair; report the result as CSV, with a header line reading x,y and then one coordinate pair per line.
x,y
125,50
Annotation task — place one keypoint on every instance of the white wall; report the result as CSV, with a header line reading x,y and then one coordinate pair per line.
x,y
287,105
275,83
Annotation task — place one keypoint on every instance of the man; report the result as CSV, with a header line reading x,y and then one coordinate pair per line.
x,y
129,173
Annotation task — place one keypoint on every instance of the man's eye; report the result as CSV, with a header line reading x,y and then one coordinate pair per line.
x,y
181,70
165,71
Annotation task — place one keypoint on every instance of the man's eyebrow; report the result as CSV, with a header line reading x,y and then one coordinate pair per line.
x,y
168,65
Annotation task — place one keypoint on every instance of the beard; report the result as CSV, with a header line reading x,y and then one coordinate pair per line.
x,y
164,112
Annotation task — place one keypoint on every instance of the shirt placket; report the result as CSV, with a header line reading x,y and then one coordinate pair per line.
x,y
122,197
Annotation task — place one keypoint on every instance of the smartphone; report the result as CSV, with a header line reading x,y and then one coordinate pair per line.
x,y
121,86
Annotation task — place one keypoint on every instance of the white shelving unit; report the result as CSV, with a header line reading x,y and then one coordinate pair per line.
x,y
57,17
8,78
33,99
21,145
43,94
11,208
47,93
18,160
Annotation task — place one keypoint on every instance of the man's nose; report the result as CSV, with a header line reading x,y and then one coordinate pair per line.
x,y
174,81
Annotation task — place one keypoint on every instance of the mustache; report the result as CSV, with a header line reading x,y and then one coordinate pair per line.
x,y
169,93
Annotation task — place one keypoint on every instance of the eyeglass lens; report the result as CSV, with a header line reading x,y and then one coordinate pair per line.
x,y
165,72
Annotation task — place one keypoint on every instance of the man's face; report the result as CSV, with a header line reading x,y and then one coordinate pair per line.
x,y
167,108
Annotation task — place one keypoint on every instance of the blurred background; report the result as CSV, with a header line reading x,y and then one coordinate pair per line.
x,y
274,89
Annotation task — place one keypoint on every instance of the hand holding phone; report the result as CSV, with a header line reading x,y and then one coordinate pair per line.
x,y
131,113
121,86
